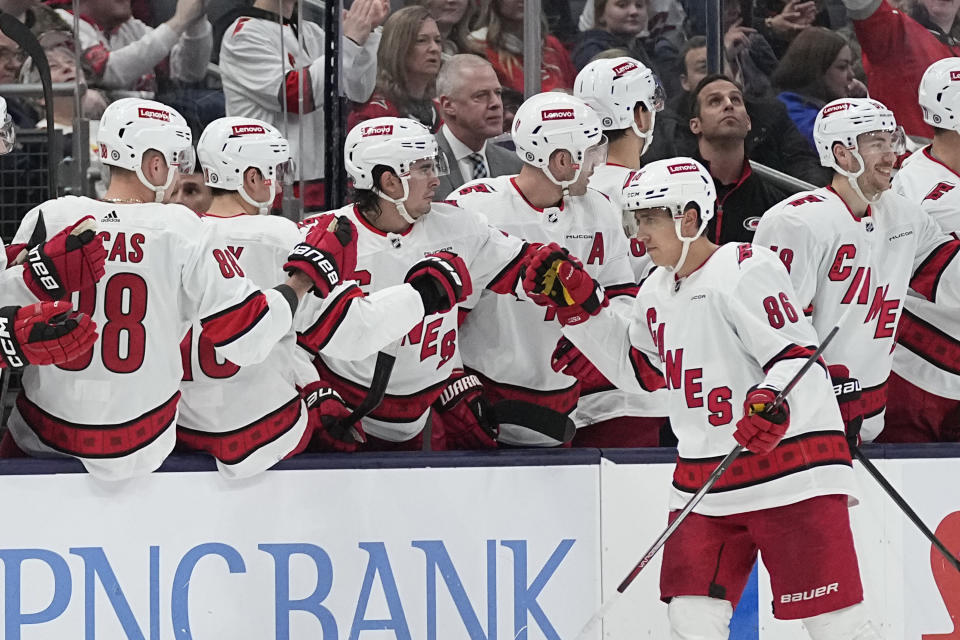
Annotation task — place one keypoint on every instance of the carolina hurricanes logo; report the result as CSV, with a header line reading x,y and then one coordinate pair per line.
x,y
843,106
751,223
686,167
942,188
557,114
621,69
153,114
247,129
379,130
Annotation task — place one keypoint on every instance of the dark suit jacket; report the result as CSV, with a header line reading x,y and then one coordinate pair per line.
x,y
500,162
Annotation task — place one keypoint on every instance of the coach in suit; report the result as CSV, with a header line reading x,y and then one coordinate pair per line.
x,y
469,94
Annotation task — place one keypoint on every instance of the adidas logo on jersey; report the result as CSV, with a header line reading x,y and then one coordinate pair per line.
x,y
556,114
110,217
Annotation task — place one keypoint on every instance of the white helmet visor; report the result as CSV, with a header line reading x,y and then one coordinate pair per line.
x,y
430,166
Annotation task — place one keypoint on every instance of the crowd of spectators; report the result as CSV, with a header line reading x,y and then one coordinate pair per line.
x,y
457,66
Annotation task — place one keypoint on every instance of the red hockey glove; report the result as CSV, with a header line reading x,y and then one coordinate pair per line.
x,y
69,261
761,427
466,417
442,280
553,278
571,361
328,256
44,333
327,411
848,393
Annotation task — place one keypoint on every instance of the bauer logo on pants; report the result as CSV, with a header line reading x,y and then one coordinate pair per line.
x,y
557,114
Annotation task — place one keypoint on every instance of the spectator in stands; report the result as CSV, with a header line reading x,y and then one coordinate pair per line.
x,y
620,24
58,46
408,62
192,192
11,59
261,83
499,39
817,68
38,17
897,48
773,139
780,22
124,53
469,94
453,19
721,124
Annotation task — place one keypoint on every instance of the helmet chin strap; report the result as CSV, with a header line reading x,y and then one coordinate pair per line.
x,y
646,135
398,203
263,208
563,184
158,191
686,244
853,176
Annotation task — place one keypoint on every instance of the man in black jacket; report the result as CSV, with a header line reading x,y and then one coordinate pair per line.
x,y
773,139
720,124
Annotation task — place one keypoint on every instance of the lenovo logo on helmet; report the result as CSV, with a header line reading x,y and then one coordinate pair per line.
x,y
621,69
380,130
686,167
247,129
954,76
557,114
153,114
843,106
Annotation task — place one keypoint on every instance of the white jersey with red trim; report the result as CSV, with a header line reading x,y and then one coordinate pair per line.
x,y
609,179
928,347
115,407
841,263
427,355
259,70
733,323
509,342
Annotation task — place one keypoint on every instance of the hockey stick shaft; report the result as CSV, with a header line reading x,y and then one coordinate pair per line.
x,y
698,496
378,385
907,510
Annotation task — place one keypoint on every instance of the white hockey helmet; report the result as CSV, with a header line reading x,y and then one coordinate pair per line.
x,y
8,135
673,184
614,86
230,146
843,121
940,94
553,121
397,143
130,127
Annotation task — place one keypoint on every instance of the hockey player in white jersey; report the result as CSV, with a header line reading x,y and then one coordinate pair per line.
x,y
443,253
560,141
724,325
627,96
855,243
924,389
115,407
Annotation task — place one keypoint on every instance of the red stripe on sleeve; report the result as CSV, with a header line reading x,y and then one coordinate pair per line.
x,y
926,278
13,251
506,281
231,324
292,87
316,337
647,375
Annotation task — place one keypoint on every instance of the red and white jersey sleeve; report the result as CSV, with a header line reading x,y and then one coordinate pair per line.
x,y
840,263
428,351
261,74
115,407
928,346
249,418
732,324
589,227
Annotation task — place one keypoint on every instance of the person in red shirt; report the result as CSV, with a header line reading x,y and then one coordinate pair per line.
x,y
500,40
898,48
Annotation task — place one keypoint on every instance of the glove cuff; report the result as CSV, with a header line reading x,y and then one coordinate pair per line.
x,y
10,350
41,276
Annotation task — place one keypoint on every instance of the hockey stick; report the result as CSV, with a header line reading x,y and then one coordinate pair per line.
x,y
378,388
907,510
697,497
